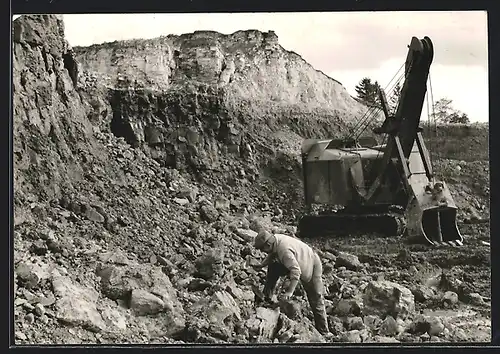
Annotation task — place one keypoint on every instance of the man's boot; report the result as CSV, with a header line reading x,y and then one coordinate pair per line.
x,y
321,323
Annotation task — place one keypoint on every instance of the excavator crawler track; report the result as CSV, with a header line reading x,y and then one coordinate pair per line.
x,y
381,225
342,224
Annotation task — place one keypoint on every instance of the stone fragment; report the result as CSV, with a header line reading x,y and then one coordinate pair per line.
x,y
144,303
347,260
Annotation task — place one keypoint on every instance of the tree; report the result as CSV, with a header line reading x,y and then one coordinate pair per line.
x,y
394,98
367,91
445,113
442,109
457,117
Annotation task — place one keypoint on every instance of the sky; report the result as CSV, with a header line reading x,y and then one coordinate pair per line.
x,y
346,46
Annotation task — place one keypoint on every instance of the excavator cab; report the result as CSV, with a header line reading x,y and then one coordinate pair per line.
x,y
387,188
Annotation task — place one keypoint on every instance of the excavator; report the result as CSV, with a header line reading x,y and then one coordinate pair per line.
x,y
381,183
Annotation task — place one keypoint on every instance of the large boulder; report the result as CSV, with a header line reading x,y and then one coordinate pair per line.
x,y
347,260
209,266
217,308
76,305
216,315
262,325
145,303
150,292
384,298
303,331
422,293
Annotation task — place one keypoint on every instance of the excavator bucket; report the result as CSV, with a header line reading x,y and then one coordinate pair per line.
x,y
431,213
432,216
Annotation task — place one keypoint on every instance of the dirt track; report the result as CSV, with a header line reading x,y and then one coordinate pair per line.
x,y
467,270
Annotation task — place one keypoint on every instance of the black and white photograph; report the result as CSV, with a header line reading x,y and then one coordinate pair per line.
x,y
251,178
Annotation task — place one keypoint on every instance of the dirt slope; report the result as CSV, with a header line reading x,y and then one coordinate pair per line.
x,y
134,202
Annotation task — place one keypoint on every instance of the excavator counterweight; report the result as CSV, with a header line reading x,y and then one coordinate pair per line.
x,y
353,184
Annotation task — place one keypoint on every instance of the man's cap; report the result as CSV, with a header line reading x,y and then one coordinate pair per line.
x,y
262,237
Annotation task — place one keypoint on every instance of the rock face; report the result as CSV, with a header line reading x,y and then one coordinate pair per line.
x,y
47,110
211,87
249,65
212,104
